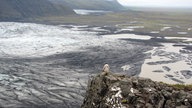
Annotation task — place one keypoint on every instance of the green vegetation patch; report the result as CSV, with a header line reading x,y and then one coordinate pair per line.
x,y
182,87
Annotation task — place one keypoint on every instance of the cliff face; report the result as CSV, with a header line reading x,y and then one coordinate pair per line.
x,y
119,91
19,9
91,4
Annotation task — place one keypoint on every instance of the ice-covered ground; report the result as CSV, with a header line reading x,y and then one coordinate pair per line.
x,y
44,66
35,40
88,12
128,36
48,66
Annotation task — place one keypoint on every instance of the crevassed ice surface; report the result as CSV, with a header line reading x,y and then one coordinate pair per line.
x,y
34,40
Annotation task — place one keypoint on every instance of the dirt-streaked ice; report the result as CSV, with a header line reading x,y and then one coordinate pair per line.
x,y
34,40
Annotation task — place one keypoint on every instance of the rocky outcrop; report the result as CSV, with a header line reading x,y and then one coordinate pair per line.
x,y
120,91
19,9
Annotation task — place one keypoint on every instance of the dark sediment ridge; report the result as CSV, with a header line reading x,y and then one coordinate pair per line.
x,y
120,91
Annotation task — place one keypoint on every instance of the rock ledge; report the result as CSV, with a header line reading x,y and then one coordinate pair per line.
x,y
120,91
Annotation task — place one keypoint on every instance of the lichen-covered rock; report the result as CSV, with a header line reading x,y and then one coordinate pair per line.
x,y
120,91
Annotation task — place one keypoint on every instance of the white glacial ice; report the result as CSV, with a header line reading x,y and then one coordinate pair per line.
x,y
35,40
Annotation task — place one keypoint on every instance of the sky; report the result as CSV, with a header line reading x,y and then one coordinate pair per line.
x,y
157,3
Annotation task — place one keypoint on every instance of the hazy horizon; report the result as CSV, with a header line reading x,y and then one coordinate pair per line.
x,y
157,3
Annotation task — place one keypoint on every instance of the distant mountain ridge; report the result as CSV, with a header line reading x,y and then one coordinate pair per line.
x,y
19,9
91,4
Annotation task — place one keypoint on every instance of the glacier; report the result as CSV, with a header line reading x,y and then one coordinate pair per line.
x,y
36,40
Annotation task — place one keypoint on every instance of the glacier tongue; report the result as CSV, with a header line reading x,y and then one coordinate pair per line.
x,y
35,40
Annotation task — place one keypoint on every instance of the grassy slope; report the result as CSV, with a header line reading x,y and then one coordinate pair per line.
x,y
152,21
91,4
14,9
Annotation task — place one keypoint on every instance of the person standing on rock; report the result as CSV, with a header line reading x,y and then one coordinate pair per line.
x,y
106,69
